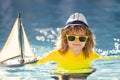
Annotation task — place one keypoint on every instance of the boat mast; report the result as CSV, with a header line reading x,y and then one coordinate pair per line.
x,y
20,37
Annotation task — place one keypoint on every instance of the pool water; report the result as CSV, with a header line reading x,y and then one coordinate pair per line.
x,y
106,70
44,18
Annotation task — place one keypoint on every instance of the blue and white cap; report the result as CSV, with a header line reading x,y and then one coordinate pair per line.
x,y
77,19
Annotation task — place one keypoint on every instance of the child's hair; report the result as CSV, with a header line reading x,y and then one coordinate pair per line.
x,y
62,44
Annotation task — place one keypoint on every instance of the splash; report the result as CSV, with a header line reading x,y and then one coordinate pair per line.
x,y
114,51
47,35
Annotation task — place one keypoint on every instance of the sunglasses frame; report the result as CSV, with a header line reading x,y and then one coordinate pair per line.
x,y
78,37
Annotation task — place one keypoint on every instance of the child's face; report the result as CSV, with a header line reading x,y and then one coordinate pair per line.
x,y
76,44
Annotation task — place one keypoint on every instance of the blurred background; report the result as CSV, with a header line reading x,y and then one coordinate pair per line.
x,y
43,19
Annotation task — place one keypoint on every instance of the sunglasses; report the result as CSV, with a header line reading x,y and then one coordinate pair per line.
x,y
81,38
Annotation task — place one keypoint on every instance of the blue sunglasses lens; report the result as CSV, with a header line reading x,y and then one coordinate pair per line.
x,y
71,38
82,39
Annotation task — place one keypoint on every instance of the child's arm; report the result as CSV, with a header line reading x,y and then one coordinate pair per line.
x,y
109,57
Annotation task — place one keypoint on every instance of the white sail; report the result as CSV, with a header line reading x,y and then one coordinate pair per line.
x,y
27,48
12,46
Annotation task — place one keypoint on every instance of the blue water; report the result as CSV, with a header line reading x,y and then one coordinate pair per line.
x,y
42,20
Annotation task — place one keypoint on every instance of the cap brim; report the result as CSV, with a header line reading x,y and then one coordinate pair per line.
x,y
74,23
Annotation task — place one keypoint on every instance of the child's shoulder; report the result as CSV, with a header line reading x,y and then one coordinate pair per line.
x,y
95,54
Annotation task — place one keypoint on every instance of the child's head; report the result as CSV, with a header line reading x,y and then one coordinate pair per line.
x,y
76,26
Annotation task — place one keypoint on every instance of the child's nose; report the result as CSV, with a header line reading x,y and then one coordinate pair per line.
x,y
77,40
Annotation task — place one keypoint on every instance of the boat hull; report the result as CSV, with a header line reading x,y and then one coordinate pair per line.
x,y
16,63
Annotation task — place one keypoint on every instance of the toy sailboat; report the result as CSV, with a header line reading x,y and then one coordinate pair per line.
x,y
17,50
